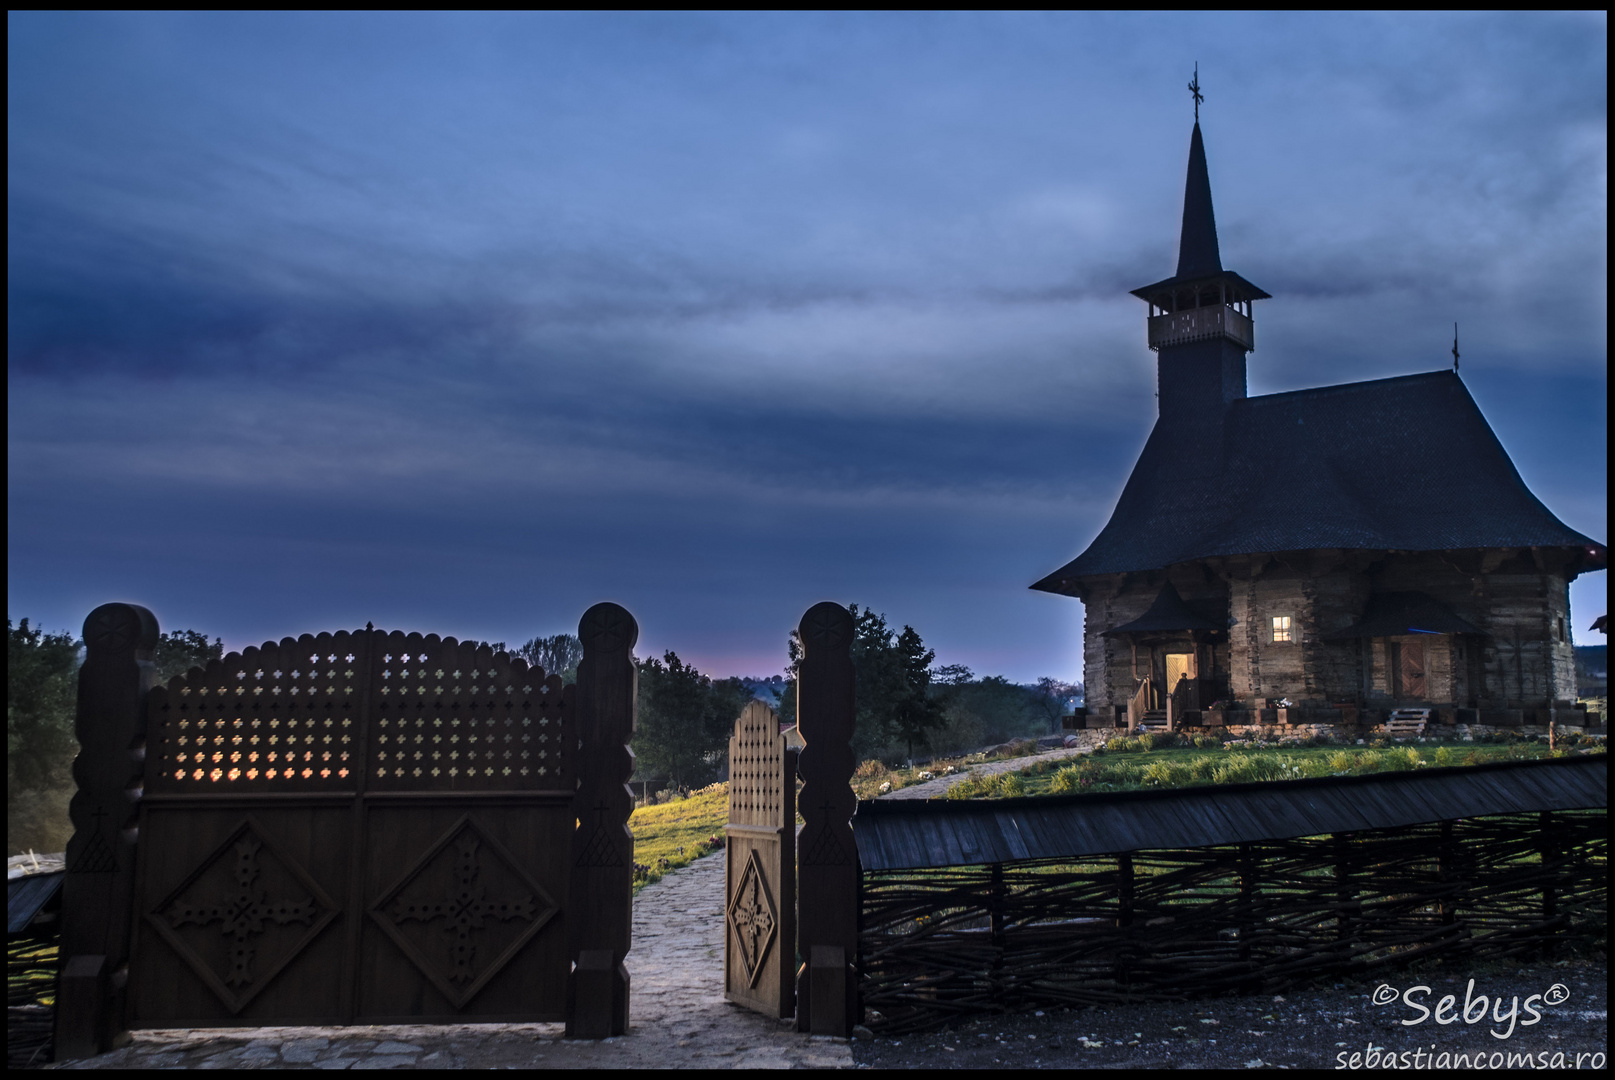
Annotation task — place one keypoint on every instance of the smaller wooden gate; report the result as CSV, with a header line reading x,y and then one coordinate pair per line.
x,y
760,946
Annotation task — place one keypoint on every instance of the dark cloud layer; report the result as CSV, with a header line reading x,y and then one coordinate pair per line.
x,y
463,322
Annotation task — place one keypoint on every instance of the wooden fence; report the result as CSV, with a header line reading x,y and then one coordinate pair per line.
x,y
1169,925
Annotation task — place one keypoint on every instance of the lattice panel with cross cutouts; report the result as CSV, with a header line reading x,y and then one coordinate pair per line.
x,y
282,717
757,768
414,712
448,716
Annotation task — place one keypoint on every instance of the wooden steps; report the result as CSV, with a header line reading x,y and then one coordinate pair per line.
x,y
1154,720
1407,723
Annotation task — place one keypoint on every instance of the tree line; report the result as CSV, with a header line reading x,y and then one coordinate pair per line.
x,y
905,706
41,698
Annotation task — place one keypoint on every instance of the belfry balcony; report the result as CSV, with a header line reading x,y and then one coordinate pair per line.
x,y
1202,324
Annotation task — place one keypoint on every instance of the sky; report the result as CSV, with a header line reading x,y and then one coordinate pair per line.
x,y
462,323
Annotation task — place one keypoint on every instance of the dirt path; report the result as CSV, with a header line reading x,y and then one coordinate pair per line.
x,y
935,789
679,1018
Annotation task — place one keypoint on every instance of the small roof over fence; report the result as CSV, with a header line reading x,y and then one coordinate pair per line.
x,y
28,897
903,834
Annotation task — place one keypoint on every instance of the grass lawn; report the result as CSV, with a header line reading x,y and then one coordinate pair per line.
x,y
675,833
1131,766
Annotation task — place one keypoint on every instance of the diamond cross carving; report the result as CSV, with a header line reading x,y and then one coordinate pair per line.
x,y
244,914
753,919
456,925
465,908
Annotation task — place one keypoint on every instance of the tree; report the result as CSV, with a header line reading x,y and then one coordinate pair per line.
x,y
915,713
178,651
951,675
1056,698
685,720
557,655
41,697
991,710
893,680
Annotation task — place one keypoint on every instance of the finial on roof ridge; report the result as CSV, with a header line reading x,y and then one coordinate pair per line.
x,y
1194,88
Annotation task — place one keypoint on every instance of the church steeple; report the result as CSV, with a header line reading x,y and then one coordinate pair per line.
x,y
1200,323
1197,249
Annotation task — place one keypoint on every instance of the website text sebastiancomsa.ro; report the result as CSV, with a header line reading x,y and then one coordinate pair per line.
x,y
1382,1057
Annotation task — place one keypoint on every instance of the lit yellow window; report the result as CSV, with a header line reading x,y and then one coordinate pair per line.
x,y
1281,628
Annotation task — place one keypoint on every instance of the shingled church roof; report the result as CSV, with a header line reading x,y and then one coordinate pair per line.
x,y
1406,464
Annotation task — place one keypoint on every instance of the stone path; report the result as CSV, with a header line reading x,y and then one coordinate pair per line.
x,y
935,789
679,1018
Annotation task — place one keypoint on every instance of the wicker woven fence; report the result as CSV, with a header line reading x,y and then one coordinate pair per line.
x,y
1170,925
30,995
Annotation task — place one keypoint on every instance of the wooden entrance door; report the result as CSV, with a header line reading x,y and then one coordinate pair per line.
x,y
355,828
760,846
1414,686
1179,665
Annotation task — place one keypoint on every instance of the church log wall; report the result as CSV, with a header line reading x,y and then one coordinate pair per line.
x,y
1525,661
1115,599
1107,668
1524,664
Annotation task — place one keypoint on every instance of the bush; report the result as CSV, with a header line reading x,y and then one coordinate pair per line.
x,y
872,769
1066,782
1010,785
1117,742
1166,774
1245,768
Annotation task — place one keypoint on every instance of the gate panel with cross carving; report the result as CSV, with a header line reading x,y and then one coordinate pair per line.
x,y
760,946
361,827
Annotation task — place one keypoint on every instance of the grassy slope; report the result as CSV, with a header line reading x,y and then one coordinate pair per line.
x,y
1134,769
673,834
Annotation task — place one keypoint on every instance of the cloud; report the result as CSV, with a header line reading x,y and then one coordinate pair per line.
x,y
725,314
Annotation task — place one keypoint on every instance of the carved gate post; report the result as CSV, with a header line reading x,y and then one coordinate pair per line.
x,y
760,869
98,892
600,915
827,877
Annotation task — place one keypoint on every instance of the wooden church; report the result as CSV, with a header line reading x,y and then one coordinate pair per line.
x,y
1322,556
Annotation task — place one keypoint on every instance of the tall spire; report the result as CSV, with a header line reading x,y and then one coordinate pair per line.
x,y
1200,323
1197,249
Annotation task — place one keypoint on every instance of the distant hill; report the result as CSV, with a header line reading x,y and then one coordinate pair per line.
x,y
767,690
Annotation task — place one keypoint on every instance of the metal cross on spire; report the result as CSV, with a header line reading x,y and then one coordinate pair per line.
x,y
1454,346
1194,88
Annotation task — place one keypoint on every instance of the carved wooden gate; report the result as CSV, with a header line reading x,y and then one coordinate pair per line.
x,y
760,841
368,827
